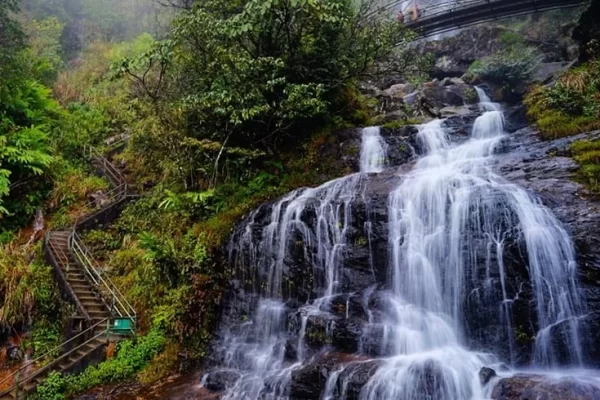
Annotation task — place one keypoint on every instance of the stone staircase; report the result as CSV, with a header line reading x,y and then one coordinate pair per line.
x,y
103,315
92,305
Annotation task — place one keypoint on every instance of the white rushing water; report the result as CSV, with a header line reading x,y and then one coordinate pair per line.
x,y
451,203
259,350
430,217
373,150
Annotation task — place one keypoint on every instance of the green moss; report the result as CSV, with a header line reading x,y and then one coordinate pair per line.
x,y
587,154
400,123
362,241
470,96
569,107
555,124
521,335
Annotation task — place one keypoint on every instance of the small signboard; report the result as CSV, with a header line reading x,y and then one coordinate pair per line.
x,y
122,325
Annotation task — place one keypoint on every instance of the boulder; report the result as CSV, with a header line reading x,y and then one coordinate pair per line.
x,y
516,118
587,32
538,387
310,381
486,375
218,381
454,54
99,198
399,90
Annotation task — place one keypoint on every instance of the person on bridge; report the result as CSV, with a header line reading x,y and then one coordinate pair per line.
x,y
400,17
413,12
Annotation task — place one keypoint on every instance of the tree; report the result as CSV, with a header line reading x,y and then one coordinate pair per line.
x,y
252,77
11,37
45,49
24,109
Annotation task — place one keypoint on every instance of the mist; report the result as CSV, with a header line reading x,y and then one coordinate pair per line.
x,y
88,21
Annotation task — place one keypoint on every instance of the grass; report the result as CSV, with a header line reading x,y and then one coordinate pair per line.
x,y
401,123
557,124
570,106
587,154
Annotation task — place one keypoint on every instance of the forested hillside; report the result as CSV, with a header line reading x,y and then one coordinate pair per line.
x,y
222,105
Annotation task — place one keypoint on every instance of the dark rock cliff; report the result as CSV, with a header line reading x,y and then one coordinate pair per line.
x,y
587,32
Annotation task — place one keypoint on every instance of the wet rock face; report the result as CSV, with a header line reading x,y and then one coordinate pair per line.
x,y
310,382
435,99
545,168
217,381
529,387
455,54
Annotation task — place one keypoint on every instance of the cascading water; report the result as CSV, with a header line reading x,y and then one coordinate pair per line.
x,y
259,349
451,220
373,150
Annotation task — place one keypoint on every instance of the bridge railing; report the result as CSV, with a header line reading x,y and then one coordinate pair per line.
x,y
443,16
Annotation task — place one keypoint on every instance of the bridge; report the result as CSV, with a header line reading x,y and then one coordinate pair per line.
x,y
431,17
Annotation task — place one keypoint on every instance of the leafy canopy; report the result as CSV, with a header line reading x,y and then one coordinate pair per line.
x,y
25,111
240,79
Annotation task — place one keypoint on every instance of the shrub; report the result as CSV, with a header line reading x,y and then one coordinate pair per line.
x,y
132,356
570,106
509,67
587,154
27,288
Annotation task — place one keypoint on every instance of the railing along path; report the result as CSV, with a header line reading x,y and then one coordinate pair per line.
x,y
26,377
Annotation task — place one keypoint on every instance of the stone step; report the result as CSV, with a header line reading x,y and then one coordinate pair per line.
x,y
89,307
76,276
74,281
80,354
97,315
81,287
88,297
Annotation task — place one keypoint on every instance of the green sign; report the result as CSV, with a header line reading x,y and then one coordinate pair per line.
x,y
122,325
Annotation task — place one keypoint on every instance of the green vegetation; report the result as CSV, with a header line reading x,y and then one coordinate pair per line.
x,y
587,154
510,67
250,84
131,358
401,123
84,22
570,106
27,288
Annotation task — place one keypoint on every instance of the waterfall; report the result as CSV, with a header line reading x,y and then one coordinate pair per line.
x,y
259,350
485,102
451,220
38,225
431,213
373,150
